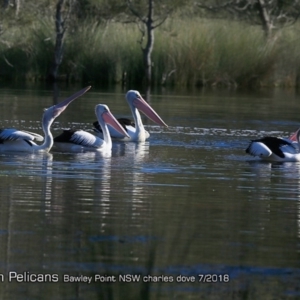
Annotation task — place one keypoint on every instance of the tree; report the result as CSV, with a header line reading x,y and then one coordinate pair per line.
x,y
270,14
62,16
148,15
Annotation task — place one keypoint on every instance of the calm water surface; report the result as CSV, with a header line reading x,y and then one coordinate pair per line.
x,y
186,215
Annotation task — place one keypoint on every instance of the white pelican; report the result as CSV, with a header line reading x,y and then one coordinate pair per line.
x,y
80,141
135,129
23,141
276,149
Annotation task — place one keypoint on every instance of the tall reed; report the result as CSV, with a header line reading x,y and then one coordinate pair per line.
x,y
205,52
187,52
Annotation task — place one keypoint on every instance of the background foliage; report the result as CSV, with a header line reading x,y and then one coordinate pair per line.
x,y
195,46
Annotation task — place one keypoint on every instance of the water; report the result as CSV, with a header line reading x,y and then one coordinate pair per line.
x,y
186,215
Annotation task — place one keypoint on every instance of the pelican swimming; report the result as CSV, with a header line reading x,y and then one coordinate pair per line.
x,y
81,141
23,141
135,129
276,149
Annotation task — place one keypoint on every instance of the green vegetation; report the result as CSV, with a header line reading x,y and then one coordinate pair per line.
x,y
187,52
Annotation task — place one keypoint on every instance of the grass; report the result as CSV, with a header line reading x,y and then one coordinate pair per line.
x,y
187,52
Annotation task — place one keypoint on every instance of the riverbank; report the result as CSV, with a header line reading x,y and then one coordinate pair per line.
x,y
187,52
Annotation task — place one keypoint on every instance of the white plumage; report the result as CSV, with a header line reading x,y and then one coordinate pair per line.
x,y
11,134
86,139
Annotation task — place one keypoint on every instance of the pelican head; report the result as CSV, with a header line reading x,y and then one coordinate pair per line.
x,y
54,111
105,116
295,137
135,99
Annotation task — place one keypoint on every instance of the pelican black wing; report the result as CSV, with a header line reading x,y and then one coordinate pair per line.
x,y
274,144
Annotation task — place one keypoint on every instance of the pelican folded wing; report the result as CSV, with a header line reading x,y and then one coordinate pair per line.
x,y
11,134
258,149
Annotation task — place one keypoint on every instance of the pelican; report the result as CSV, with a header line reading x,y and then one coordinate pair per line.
x,y
276,149
293,137
81,141
135,129
23,141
